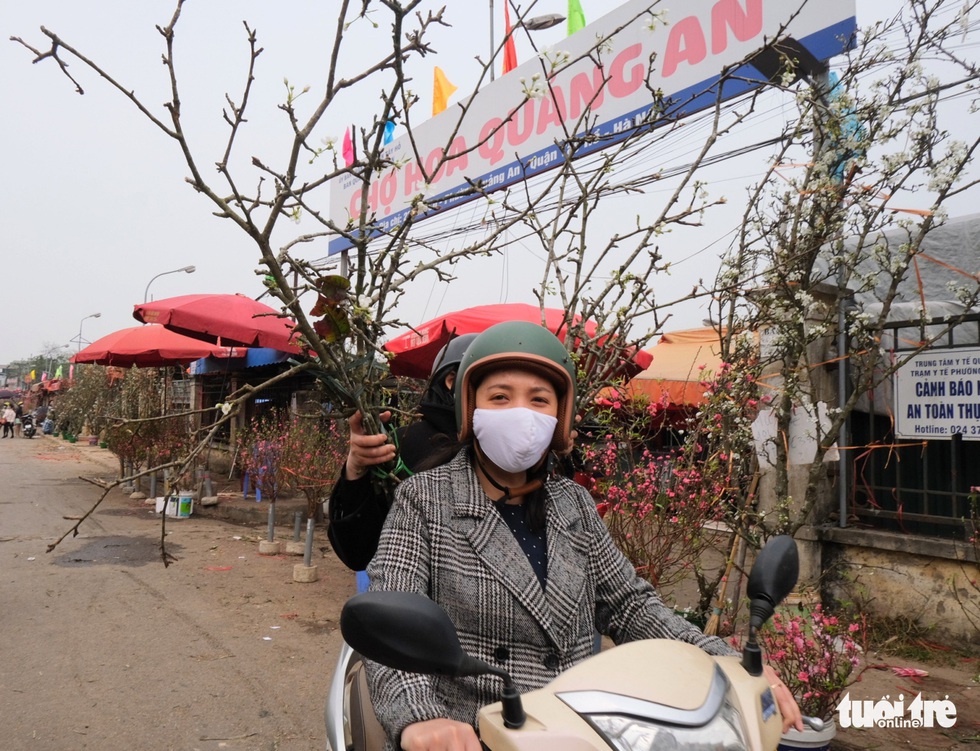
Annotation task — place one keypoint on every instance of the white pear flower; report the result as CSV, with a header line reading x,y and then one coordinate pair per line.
x,y
655,19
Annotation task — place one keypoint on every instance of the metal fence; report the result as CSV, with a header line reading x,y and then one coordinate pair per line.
x,y
914,486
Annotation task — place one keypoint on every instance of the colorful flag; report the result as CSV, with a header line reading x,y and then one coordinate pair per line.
x,y
576,18
71,372
348,151
510,51
44,375
57,373
33,375
442,89
389,132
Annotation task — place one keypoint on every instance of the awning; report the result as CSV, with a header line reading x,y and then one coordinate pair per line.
x,y
682,360
239,359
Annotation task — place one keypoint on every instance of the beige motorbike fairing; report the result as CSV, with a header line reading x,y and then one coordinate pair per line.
x,y
653,678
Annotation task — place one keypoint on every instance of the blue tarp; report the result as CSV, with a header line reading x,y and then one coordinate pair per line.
x,y
253,357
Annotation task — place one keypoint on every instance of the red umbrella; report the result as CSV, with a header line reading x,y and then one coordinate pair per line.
x,y
415,350
146,347
226,319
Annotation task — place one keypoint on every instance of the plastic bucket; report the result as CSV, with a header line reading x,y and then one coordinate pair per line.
x,y
185,506
809,739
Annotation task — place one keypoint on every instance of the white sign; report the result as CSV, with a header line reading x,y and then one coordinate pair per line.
x,y
504,136
937,394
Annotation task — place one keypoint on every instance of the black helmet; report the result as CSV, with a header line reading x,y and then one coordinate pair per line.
x,y
450,355
523,345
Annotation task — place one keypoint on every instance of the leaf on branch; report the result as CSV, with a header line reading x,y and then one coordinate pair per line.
x,y
332,304
333,326
333,386
332,293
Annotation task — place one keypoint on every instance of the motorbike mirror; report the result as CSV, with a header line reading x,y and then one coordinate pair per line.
x,y
406,631
773,576
409,632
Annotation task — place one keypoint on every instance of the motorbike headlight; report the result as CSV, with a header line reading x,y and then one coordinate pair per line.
x,y
631,724
723,733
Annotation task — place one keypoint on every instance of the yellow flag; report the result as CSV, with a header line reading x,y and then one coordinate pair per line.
x,y
442,89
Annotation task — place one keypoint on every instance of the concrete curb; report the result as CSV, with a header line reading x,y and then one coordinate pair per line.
x,y
233,508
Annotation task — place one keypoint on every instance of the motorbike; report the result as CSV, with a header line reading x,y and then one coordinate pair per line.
x,y
27,427
607,701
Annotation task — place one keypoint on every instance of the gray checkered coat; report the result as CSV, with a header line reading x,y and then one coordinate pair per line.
x,y
443,538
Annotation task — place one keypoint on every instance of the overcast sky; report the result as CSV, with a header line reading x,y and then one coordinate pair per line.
x,y
93,202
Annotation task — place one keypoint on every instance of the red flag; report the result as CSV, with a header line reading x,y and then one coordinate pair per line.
x,y
348,151
510,52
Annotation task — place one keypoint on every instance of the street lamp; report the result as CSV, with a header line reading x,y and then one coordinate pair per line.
x,y
187,269
543,22
80,340
536,23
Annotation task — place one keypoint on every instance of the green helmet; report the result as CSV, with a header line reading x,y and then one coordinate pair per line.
x,y
523,345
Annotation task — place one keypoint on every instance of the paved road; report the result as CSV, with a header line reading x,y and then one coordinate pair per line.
x,y
105,648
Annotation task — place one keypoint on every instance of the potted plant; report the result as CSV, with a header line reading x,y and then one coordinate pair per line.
x,y
313,453
817,656
260,455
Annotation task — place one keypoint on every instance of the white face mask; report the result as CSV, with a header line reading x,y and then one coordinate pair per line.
x,y
514,439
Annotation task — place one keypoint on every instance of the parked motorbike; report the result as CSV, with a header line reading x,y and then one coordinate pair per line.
x,y
652,694
27,427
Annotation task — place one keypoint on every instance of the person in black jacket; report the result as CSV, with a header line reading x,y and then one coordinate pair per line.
x,y
359,503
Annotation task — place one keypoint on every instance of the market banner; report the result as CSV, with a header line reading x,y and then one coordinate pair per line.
x,y
515,126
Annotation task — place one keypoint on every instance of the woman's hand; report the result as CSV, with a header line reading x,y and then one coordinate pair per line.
x,y
366,450
441,734
788,708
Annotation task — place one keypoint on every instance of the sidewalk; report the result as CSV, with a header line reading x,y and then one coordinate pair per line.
x,y
232,506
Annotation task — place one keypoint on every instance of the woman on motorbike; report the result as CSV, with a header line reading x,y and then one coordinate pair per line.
x,y
515,553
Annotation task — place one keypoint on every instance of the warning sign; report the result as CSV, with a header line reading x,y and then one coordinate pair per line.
x,y
937,394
